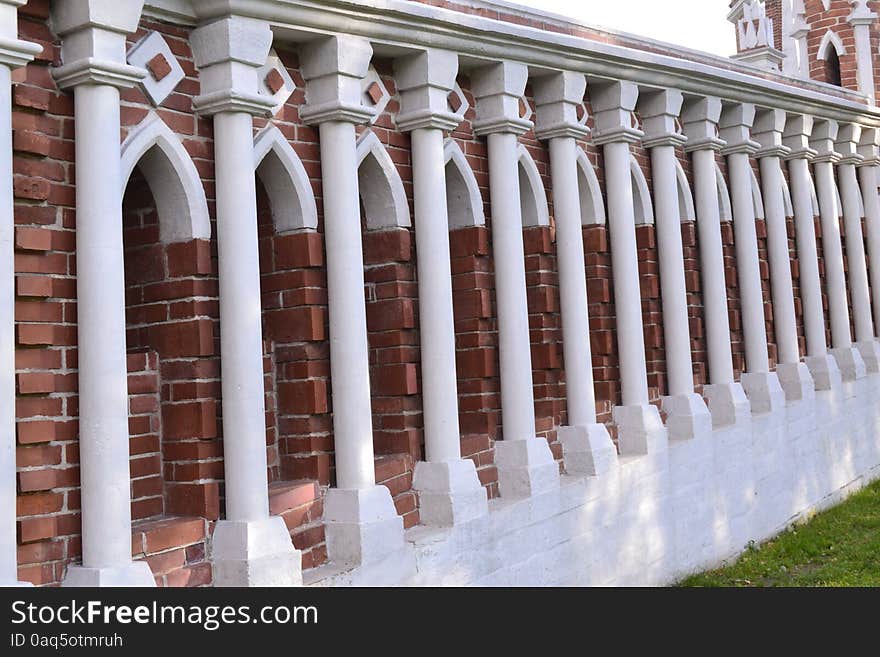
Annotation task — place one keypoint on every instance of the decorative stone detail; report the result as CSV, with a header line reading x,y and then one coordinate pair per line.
x,y
458,102
560,106
375,94
822,141
276,82
499,90
847,143
164,72
614,104
335,70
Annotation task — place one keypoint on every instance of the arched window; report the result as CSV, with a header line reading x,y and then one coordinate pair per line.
x,y
286,182
463,198
533,199
172,178
381,189
830,49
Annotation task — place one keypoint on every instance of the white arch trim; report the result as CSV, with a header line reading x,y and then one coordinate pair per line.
x,y
592,205
172,177
786,200
644,207
380,186
813,198
725,211
286,182
757,197
830,40
463,198
685,197
533,198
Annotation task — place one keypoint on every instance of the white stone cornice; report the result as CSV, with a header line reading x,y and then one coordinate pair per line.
x,y
869,147
768,129
425,82
660,111
796,137
822,141
499,91
334,69
229,53
700,124
613,105
93,42
735,128
560,109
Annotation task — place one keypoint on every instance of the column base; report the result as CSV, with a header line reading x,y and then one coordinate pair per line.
x,y
763,391
525,467
587,450
796,381
826,374
849,360
687,416
869,350
640,430
255,553
134,574
728,404
361,525
450,493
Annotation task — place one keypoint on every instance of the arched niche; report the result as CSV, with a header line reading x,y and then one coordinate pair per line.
x,y
286,182
533,198
463,198
381,189
592,205
172,178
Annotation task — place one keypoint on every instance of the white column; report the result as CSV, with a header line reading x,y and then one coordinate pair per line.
x,y
851,197
727,401
249,547
13,54
561,116
361,522
686,413
823,367
525,463
794,376
848,358
641,430
94,67
862,19
449,489
869,148
762,386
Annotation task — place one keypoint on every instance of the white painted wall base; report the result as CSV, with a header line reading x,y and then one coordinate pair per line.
x,y
525,467
849,360
587,449
728,404
826,374
869,350
135,574
450,492
796,382
764,392
256,553
362,525
659,517
687,416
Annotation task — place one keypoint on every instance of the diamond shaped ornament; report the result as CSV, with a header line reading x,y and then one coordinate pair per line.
x,y
458,102
164,72
275,82
375,94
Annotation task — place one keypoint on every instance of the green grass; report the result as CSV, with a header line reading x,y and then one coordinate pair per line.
x,y
838,547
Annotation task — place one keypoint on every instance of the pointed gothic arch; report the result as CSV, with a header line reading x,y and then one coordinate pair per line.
x,y
592,204
724,207
533,198
757,197
686,208
642,204
172,178
286,182
463,199
381,189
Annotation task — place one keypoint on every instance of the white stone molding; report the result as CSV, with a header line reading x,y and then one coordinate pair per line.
x,y
463,198
787,205
726,212
425,82
172,177
249,547
499,90
381,189
334,70
275,82
830,40
14,53
686,209
286,182
642,203
862,19
533,198
592,203
757,197
151,53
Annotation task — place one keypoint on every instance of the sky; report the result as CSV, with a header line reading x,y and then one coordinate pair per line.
x,y
697,24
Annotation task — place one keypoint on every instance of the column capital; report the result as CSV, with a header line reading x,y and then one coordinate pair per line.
x,y
869,147
499,90
14,52
660,111
700,124
796,136
735,128
847,143
860,14
229,53
334,69
613,105
768,131
93,49
822,140
425,82
561,112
